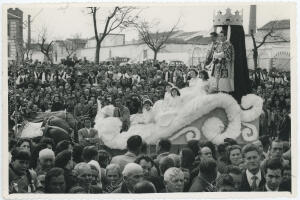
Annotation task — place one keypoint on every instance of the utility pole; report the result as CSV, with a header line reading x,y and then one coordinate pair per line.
x,y
29,35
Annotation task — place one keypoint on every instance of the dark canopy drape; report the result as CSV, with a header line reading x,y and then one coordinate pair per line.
x,y
242,85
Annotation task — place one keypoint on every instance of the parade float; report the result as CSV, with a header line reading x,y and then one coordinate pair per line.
x,y
197,115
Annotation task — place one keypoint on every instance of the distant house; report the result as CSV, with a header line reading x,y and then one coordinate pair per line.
x,y
61,49
109,40
67,48
189,47
276,50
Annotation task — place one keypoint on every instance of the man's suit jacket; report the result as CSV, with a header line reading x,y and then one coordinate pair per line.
x,y
124,114
123,160
245,184
168,78
83,133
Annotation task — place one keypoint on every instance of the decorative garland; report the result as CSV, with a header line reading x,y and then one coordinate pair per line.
x,y
253,107
249,133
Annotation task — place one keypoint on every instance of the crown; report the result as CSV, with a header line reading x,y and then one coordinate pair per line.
x,y
228,18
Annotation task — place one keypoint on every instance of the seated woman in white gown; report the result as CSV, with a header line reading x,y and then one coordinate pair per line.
x,y
167,96
165,118
147,115
195,89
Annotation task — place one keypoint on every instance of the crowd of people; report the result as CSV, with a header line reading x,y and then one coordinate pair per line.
x,y
40,165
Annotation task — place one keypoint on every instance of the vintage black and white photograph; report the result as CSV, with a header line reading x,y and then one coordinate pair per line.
x,y
116,98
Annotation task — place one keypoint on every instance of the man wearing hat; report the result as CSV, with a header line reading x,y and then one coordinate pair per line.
x,y
212,48
21,179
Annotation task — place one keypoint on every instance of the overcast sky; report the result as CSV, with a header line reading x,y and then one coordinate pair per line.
x,y
63,21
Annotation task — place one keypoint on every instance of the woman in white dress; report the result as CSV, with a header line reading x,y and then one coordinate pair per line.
x,y
205,82
168,96
166,117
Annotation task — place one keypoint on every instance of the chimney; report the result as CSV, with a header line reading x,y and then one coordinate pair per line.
x,y
252,19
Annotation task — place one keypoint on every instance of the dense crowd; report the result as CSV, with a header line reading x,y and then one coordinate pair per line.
x,y
40,165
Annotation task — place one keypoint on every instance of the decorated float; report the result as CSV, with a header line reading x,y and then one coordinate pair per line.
x,y
193,115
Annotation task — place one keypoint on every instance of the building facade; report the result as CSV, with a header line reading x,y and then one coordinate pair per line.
x,y
275,52
189,47
15,34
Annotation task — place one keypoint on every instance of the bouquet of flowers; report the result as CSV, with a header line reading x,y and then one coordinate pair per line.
x,y
218,57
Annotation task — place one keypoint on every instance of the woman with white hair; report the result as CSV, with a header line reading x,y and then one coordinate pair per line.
x,y
83,172
113,176
174,180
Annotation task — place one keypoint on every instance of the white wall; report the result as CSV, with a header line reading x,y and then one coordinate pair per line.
x,y
183,52
37,55
109,40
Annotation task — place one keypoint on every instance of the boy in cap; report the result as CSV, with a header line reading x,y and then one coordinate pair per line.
x,y
21,179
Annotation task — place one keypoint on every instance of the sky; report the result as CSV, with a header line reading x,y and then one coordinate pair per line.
x,y
65,20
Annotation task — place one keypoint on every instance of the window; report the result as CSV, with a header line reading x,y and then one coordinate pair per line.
x,y
110,53
55,56
145,54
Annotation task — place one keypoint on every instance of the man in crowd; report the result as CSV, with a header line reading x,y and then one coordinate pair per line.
x,y
236,175
46,161
163,148
123,113
134,145
252,178
88,135
276,151
21,179
55,181
273,175
132,174
205,181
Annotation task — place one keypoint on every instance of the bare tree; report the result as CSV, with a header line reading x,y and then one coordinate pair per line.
x,y
256,46
120,17
154,40
71,45
45,48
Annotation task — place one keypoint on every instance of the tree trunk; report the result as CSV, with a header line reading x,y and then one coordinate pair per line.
x,y
97,56
155,56
255,56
